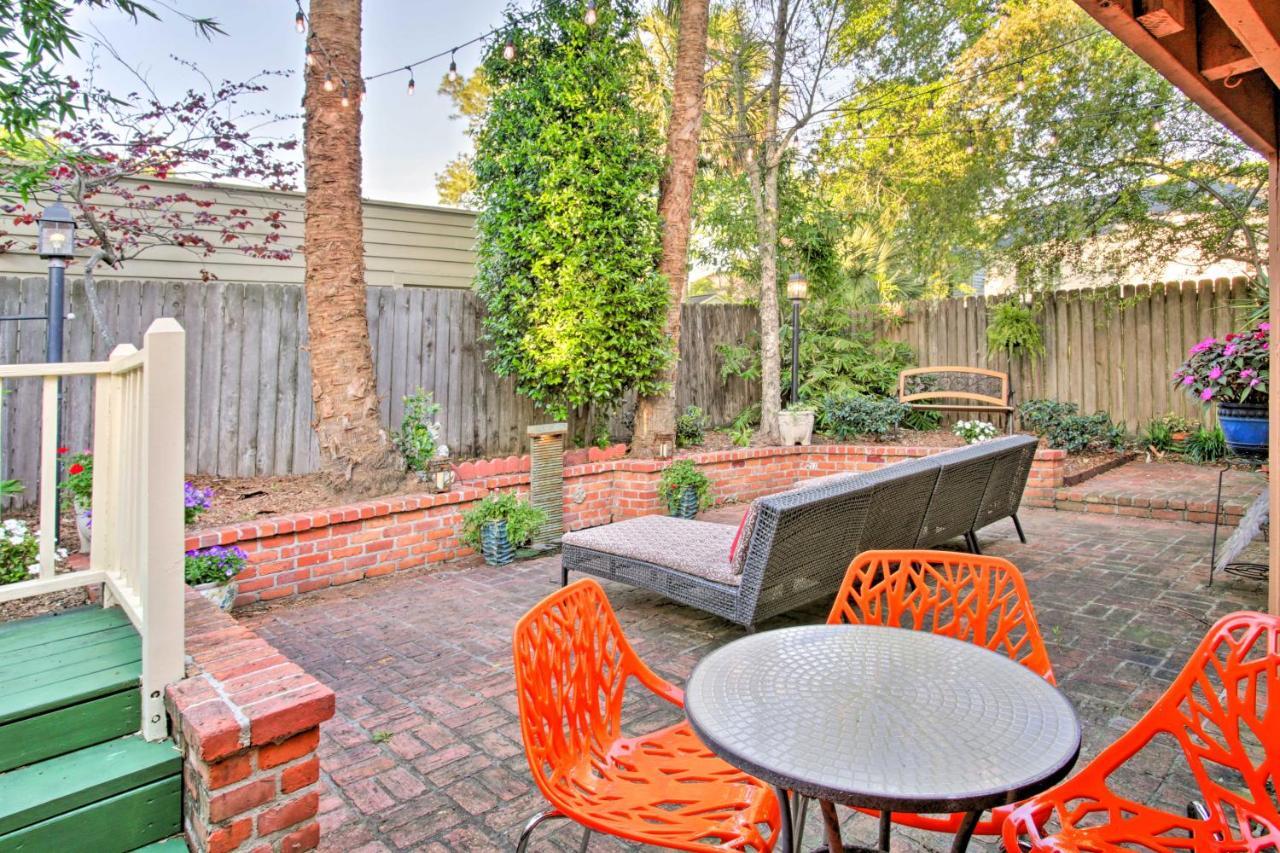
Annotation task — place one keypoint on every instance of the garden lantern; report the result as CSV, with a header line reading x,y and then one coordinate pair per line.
x,y
57,237
797,292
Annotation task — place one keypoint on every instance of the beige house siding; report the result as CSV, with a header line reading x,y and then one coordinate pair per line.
x,y
405,244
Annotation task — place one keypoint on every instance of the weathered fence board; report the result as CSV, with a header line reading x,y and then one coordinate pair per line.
x,y
1115,353
249,378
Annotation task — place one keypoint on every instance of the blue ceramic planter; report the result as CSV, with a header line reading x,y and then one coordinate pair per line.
x,y
688,506
1245,427
495,545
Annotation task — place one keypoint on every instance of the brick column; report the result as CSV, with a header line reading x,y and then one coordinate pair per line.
x,y
247,721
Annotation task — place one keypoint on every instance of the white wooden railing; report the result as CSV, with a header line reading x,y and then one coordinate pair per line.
x,y
137,505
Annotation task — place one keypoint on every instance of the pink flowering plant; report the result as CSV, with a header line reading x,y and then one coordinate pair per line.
x,y
1231,369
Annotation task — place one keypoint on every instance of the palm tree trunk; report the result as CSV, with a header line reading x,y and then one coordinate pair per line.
x,y
656,415
355,451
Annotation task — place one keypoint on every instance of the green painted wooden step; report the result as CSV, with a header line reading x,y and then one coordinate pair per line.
x,y
110,797
169,845
67,680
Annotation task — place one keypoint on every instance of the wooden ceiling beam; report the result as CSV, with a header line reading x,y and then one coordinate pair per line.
x,y
1221,53
1248,109
1256,24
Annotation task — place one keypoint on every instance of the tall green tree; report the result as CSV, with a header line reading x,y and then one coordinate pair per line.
x,y
567,169
656,414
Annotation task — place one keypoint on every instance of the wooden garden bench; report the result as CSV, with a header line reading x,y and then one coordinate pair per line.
x,y
975,388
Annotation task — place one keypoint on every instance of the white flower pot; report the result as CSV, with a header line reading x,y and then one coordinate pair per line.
x,y
223,595
83,527
795,427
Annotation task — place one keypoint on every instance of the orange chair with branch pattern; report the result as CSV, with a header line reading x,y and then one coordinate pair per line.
x,y
1222,714
665,788
971,597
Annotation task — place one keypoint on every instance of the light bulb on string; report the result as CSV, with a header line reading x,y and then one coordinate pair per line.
x,y
412,84
590,17
509,50
1021,83
310,56
453,69
300,22
893,149
346,96
328,82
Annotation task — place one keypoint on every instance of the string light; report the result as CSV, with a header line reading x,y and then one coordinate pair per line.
x,y
328,82
346,97
300,21
590,17
509,50
310,56
453,69
412,85
1020,84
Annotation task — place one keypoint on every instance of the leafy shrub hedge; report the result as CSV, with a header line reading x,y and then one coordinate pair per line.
x,y
846,415
1069,430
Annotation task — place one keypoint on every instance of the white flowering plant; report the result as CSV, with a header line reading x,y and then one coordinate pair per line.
x,y
419,437
19,552
974,432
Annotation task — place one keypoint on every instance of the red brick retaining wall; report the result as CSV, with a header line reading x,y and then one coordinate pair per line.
x,y
247,721
292,554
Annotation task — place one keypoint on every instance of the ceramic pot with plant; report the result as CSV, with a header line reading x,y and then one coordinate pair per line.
x,y
212,573
519,521
78,491
795,424
1233,372
684,489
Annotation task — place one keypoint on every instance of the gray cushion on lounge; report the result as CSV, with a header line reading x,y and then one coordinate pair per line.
x,y
697,548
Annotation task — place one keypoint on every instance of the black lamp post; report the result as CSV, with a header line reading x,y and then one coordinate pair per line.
x,y
56,243
797,292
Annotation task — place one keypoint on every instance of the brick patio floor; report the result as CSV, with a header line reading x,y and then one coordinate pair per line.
x,y
1169,491
424,752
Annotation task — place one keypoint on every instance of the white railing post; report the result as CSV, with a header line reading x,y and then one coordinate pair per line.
x,y
48,476
108,427
160,504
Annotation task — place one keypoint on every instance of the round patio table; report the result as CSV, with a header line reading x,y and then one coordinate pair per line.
x,y
881,718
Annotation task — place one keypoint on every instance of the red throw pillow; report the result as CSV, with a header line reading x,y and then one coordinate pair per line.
x,y
733,549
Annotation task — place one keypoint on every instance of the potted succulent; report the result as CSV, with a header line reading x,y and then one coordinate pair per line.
x,y
684,489
78,491
795,424
1234,373
212,573
499,524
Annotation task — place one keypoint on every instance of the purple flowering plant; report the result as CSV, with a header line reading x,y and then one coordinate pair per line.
x,y
195,501
1231,369
217,564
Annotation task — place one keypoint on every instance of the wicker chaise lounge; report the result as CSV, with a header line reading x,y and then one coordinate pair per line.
x,y
797,545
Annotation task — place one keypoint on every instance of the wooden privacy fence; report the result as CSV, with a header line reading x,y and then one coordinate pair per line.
x,y
248,377
1115,352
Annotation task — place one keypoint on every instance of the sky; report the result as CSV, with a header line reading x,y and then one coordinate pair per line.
x,y
407,140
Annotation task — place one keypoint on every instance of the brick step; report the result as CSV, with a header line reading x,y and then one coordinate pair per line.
x,y
67,680
109,797
1139,506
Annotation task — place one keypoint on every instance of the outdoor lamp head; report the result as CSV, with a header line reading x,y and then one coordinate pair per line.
x,y
797,286
57,235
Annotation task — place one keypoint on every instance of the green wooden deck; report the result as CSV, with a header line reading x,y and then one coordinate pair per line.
x,y
74,773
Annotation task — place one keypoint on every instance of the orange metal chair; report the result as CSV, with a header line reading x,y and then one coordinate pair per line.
x,y
971,597
1223,710
665,788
